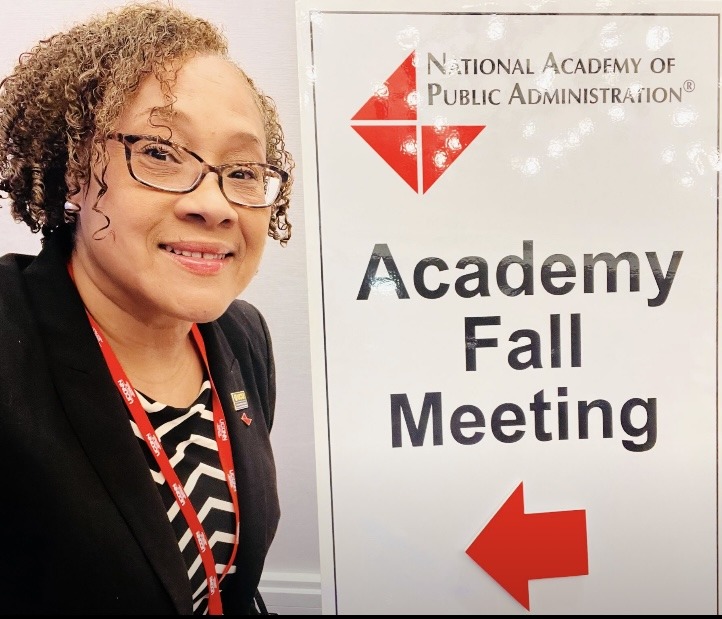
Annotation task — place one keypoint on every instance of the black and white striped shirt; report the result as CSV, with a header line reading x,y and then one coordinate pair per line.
x,y
188,438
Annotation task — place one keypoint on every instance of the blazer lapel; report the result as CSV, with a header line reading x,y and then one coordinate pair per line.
x,y
227,380
247,430
96,411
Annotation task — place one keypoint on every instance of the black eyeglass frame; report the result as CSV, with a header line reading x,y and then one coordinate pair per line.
x,y
128,139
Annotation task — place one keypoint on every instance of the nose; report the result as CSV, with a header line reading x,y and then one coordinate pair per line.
x,y
206,204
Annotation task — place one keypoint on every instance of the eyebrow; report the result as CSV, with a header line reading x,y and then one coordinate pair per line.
x,y
179,117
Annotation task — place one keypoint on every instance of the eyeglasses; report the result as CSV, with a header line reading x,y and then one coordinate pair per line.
x,y
165,165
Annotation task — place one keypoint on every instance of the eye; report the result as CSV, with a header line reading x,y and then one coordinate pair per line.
x,y
161,153
244,173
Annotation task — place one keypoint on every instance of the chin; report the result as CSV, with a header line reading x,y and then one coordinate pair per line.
x,y
208,315
204,312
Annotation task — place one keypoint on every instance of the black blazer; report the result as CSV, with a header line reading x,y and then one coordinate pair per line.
x,y
82,525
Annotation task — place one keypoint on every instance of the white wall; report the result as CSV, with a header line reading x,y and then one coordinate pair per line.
x,y
262,38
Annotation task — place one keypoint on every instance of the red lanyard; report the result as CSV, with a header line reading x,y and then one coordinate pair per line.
x,y
151,439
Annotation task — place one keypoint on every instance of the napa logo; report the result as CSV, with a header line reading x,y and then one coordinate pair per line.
x,y
180,493
126,390
388,122
153,443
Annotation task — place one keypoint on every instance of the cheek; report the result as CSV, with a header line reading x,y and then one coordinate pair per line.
x,y
102,220
93,224
255,229
127,212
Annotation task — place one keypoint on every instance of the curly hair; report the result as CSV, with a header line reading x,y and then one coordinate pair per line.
x,y
64,95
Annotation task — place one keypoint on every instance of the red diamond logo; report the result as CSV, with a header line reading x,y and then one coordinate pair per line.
x,y
399,143
397,146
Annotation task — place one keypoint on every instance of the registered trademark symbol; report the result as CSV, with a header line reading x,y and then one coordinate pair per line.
x,y
688,85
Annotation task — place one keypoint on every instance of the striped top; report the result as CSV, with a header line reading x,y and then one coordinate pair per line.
x,y
188,438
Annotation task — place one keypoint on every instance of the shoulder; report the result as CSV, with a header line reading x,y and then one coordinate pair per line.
x,y
12,265
243,320
20,342
11,279
243,314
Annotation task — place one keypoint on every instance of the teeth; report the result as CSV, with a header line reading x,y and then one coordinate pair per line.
x,y
194,254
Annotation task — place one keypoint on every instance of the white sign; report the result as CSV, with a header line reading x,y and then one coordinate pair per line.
x,y
513,257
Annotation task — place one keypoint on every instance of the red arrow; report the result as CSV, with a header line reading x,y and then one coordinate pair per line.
x,y
514,547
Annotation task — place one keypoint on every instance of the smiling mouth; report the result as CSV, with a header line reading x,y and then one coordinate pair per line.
x,y
195,254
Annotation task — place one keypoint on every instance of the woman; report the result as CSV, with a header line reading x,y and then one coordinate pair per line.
x,y
137,392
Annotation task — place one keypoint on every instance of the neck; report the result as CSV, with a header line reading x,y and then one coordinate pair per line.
x,y
157,353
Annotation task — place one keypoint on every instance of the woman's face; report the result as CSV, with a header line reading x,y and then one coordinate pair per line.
x,y
183,257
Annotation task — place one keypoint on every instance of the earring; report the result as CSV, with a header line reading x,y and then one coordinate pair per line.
x,y
71,211
71,207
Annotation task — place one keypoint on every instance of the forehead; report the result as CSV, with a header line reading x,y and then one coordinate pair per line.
x,y
212,100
